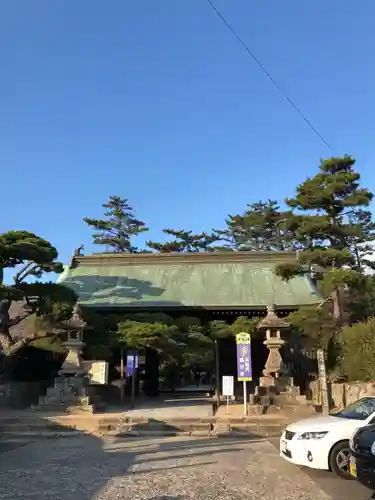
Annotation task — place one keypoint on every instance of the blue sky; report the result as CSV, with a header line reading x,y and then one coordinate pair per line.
x,y
157,102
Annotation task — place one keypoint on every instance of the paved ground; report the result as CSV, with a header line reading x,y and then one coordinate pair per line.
x,y
177,407
337,488
86,468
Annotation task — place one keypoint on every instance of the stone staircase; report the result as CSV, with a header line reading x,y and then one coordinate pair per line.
x,y
120,426
258,425
133,426
23,428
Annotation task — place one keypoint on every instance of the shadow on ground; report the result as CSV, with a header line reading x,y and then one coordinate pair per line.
x,y
82,467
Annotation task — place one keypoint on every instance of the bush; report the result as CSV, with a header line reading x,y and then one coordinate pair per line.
x,y
357,359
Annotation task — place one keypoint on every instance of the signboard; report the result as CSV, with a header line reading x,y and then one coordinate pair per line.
x,y
97,371
130,358
244,369
323,379
228,386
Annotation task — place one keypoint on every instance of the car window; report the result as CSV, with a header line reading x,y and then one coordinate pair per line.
x,y
360,410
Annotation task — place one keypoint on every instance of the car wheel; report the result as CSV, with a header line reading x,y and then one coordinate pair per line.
x,y
339,460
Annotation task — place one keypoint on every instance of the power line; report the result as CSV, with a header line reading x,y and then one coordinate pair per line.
x,y
269,76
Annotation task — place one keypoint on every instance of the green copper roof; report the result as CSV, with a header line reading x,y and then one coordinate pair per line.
x,y
240,280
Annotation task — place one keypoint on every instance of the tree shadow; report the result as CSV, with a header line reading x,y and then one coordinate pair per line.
x,y
84,466
104,289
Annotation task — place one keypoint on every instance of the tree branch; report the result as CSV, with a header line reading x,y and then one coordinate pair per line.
x,y
25,341
6,340
24,272
18,319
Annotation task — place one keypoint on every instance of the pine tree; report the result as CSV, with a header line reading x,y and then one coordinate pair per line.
x,y
262,227
146,330
40,306
118,228
184,241
331,221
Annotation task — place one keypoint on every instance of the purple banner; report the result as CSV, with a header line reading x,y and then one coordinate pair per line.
x,y
244,368
130,358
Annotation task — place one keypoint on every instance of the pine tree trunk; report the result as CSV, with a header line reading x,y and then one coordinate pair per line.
x,y
8,345
6,340
338,310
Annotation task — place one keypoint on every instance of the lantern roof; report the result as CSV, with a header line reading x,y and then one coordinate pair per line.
x,y
272,321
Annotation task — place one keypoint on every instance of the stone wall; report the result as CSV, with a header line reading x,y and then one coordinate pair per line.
x,y
21,395
342,395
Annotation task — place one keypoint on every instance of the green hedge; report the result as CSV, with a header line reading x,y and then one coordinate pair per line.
x,y
357,359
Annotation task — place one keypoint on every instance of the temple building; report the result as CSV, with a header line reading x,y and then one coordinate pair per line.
x,y
212,285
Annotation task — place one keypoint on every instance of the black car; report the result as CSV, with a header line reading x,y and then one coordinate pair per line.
x,y
362,456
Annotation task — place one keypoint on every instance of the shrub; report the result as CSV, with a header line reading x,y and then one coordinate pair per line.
x,y
357,359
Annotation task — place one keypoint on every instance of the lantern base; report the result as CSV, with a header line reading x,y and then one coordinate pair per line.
x,y
68,395
276,392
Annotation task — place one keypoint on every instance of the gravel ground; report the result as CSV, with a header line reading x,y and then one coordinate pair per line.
x,y
87,468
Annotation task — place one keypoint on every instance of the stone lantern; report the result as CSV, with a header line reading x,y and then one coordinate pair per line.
x,y
74,344
273,325
69,392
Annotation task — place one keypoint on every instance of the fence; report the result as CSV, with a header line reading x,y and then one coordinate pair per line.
x,y
342,395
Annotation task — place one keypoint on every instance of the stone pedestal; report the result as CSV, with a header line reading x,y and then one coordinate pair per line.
x,y
281,393
69,395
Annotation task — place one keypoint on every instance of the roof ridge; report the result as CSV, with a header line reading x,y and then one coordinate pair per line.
x,y
183,257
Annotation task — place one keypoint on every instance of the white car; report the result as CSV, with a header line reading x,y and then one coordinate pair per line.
x,y
323,442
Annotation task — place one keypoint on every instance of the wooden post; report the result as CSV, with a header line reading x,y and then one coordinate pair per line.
x,y
122,378
323,382
217,373
245,398
133,383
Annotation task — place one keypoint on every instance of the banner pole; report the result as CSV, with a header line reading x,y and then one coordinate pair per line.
x,y
245,398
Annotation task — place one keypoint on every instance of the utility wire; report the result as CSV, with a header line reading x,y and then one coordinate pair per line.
x,y
269,76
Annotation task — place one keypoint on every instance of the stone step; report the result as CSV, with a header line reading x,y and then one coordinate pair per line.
x,y
73,409
36,434
168,428
234,427
15,426
251,427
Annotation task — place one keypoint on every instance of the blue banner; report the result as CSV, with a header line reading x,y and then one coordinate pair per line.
x,y
244,368
130,358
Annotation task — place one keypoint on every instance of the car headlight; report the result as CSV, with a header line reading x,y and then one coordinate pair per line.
x,y
313,435
373,448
